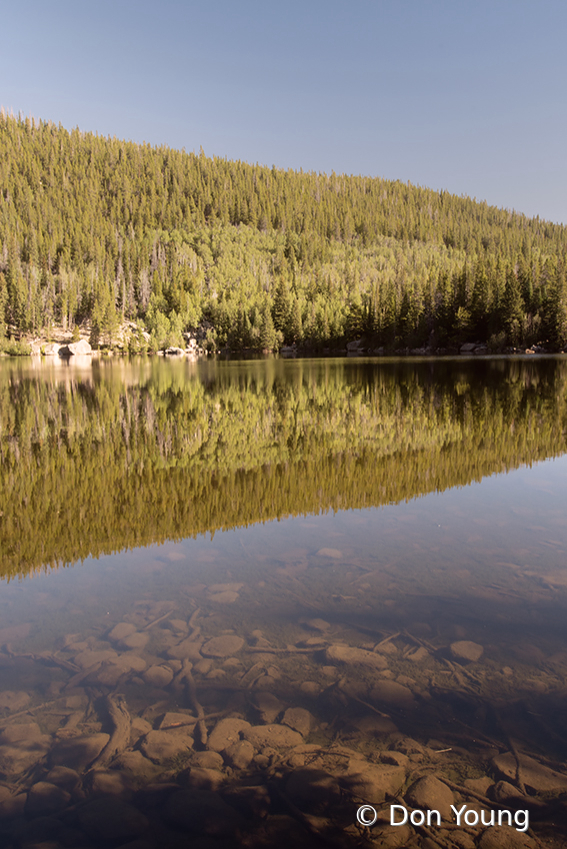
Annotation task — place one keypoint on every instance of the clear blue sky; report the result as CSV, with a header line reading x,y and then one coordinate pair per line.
x,y
452,94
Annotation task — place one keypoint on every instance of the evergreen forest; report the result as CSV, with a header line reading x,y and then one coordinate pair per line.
x,y
95,232
140,452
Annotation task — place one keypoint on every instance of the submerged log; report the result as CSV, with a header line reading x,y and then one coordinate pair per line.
x,y
120,736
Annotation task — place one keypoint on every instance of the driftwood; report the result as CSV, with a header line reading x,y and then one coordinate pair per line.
x,y
44,657
186,676
120,737
84,673
159,619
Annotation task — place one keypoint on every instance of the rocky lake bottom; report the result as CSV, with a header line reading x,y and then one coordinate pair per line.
x,y
267,699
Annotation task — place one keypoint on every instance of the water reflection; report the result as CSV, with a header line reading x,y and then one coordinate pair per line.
x,y
254,686
128,454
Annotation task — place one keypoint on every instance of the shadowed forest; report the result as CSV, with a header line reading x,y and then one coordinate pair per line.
x,y
133,454
96,231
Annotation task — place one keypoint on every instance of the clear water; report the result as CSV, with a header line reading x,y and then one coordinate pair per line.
x,y
463,538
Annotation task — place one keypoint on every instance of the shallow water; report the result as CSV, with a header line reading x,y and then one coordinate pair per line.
x,y
349,529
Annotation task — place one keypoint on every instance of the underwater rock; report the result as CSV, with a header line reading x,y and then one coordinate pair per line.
x,y
208,760
223,646
176,719
310,688
120,631
239,755
203,667
45,798
139,727
392,693
158,746
278,736
78,752
537,778
63,777
429,793
355,657
109,782
299,720
226,732
135,765
227,597
318,625
267,706
232,587
505,793
203,778
21,746
186,649
86,659
13,700
135,641
466,650
506,837
158,676
372,782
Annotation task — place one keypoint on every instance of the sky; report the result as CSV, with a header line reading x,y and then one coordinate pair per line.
x,y
464,96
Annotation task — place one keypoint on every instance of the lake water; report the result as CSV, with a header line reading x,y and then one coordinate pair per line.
x,y
241,599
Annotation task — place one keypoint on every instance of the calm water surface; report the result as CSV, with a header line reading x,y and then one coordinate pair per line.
x,y
366,559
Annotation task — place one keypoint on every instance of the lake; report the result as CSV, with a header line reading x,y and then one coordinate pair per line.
x,y
241,599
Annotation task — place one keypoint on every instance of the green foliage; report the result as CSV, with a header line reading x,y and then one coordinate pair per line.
x,y
101,230
14,348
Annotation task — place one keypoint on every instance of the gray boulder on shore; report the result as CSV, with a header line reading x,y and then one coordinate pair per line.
x,y
75,348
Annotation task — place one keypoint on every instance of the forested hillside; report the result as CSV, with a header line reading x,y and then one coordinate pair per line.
x,y
94,231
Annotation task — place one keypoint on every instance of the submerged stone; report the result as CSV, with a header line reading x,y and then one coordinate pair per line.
x,y
466,650
239,755
537,778
21,746
223,646
372,782
278,736
226,732
45,798
299,719
78,752
158,746
120,631
392,693
355,657
13,700
429,793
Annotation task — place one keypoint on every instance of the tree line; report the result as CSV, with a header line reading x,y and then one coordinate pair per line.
x,y
95,231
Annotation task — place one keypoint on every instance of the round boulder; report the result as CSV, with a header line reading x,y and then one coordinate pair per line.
x,y
466,650
223,646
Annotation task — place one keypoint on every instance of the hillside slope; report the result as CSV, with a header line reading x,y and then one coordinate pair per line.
x,y
95,230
